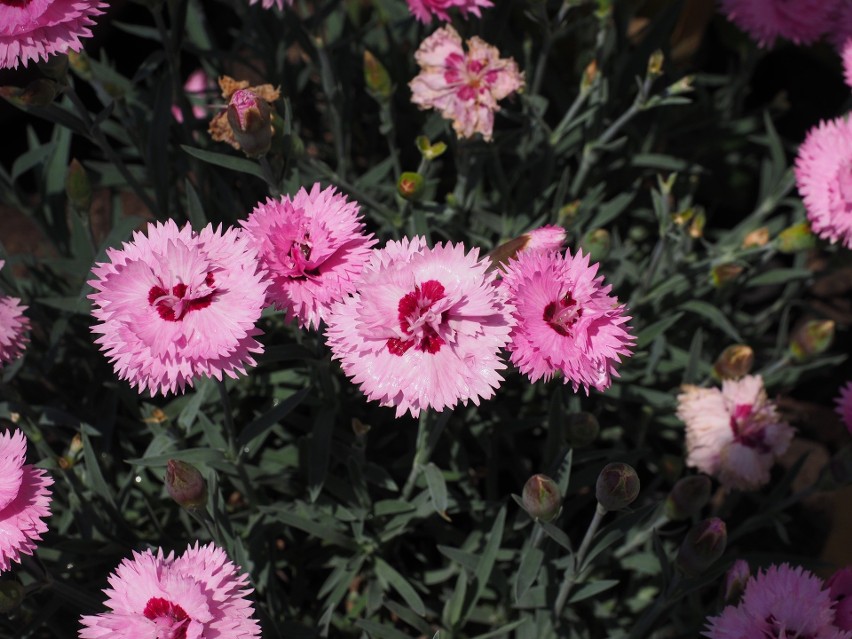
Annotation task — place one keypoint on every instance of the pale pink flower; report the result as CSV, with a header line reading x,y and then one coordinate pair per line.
x,y
313,246
734,434
840,590
267,4
176,304
198,594
24,500
844,405
196,87
423,10
782,602
424,329
566,320
464,87
846,55
13,327
824,177
33,30
801,21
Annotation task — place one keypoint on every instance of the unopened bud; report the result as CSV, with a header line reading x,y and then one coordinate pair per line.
x,y
251,122
735,581
722,274
696,229
581,429
617,486
376,77
38,93
688,496
78,188
568,213
796,238
359,428
811,338
655,64
597,244
684,85
541,498
79,61
703,545
410,185
757,238
11,596
734,362
428,150
590,74
55,67
185,485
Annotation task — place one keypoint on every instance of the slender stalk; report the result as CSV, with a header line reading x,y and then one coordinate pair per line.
x,y
428,432
573,571
660,604
236,455
269,176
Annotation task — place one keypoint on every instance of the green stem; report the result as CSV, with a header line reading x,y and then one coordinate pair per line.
x,y
235,455
573,571
428,432
268,176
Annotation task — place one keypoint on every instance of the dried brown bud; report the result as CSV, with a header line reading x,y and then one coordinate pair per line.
x,y
811,338
734,362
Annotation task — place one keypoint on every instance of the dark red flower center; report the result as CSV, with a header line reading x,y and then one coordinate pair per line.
x,y
418,321
15,3
747,430
170,618
562,314
175,304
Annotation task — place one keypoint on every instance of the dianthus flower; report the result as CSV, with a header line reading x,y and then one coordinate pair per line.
x,y
36,30
734,434
840,590
824,177
846,55
13,327
781,602
267,4
464,87
566,321
424,329
844,405
196,87
423,10
801,21
199,594
313,247
24,500
176,304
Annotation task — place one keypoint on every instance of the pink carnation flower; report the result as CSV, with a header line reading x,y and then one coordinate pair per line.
x,y
840,590
802,21
13,327
314,248
464,87
734,434
424,328
199,594
267,4
844,405
24,500
846,55
781,601
177,304
423,10
566,320
196,87
36,29
824,177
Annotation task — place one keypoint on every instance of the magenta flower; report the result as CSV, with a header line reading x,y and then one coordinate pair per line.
x,y
824,177
464,87
802,21
840,590
177,304
36,30
846,55
424,329
13,327
423,10
844,405
199,594
313,246
24,500
781,601
566,320
734,434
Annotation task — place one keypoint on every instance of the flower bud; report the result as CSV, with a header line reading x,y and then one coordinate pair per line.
x,y
684,85
696,229
617,486
704,544
757,238
79,61
735,581
38,93
55,67
590,73
796,238
734,362
541,498
811,338
581,429
11,596
376,77
251,122
186,485
568,213
428,150
688,496
78,188
722,274
655,64
597,244
360,428
410,185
